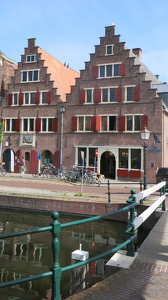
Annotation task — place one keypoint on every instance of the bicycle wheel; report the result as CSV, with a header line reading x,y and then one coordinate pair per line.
x,y
35,173
3,171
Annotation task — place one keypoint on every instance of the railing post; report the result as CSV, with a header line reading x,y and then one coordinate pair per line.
x,y
141,185
56,277
163,193
131,227
109,200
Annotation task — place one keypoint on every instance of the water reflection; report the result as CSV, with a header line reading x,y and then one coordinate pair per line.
x,y
32,254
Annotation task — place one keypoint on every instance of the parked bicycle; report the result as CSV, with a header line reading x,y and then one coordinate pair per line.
x,y
36,173
2,169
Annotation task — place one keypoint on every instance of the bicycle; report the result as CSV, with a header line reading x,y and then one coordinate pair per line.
x,y
36,173
2,169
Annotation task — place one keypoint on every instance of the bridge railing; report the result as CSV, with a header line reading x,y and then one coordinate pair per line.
x,y
55,228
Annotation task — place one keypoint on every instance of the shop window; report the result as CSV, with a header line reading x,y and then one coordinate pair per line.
x,y
80,158
123,158
92,160
136,159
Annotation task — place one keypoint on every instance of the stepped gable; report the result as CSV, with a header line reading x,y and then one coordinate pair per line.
x,y
62,76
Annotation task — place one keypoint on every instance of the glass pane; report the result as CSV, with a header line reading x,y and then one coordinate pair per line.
x,y
31,125
30,75
80,124
104,123
24,76
32,95
102,71
44,97
50,122
109,70
109,49
112,95
79,156
105,95
129,94
87,123
35,75
32,58
25,125
8,125
137,123
44,124
89,96
15,99
116,70
136,159
27,98
92,160
123,158
13,124
112,123
129,123
28,58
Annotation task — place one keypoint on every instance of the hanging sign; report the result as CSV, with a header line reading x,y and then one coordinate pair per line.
x,y
96,153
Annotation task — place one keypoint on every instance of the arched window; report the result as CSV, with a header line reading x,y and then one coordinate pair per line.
x,y
27,156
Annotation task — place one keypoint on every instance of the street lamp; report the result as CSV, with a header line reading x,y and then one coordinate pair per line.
x,y
145,136
62,110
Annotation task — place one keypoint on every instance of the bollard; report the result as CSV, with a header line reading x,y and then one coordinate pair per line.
x,y
56,270
162,192
131,229
109,200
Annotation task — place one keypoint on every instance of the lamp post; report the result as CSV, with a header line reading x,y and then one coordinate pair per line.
x,y
62,110
145,136
1,139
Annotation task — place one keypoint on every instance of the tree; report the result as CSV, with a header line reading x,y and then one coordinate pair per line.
x,y
1,138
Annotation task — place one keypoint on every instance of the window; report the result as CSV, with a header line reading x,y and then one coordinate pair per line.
x,y
29,76
133,123
84,123
108,123
111,70
15,96
92,160
129,94
109,49
10,124
123,158
89,96
29,98
79,156
87,123
30,58
109,95
28,124
44,97
47,124
136,159
81,123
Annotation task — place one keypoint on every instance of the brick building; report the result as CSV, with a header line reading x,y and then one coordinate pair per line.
x,y
111,103
31,108
7,69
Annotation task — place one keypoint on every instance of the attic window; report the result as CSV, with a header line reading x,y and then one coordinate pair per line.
x,y
109,49
30,58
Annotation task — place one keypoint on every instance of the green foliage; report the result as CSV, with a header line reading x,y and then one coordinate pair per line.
x,y
1,131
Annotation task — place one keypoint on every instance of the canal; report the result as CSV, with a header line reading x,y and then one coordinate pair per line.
x,y
32,254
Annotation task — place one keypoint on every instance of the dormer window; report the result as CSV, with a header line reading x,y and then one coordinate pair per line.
x,y
29,76
30,58
109,49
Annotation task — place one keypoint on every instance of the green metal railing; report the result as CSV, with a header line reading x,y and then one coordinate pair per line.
x,y
55,228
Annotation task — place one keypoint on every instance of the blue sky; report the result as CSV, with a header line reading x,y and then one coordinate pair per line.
x,y
69,29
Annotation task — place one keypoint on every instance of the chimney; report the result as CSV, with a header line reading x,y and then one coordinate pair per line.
x,y
31,43
158,77
137,52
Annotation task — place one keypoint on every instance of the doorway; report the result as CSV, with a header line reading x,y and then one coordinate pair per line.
x,y
108,165
8,159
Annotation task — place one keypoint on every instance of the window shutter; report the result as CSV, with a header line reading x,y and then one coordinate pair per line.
x,y
56,159
119,95
55,124
38,124
93,123
136,93
20,98
95,71
34,161
48,100
122,69
98,122
16,166
82,96
144,122
17,125
37,97
121,123
74,124
97,95
10,99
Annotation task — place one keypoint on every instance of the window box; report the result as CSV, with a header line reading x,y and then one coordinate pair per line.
x,y
122,173
135,174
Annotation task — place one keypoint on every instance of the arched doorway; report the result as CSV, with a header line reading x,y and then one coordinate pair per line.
x,y
108,165
46,157
8,159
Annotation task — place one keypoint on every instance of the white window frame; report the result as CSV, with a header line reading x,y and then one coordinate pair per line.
x,y
47,120
112,45
10,124
31,55
27,81
84,123
128,86
133,122
22,125
89,89
41,97
108,122
15,93
28,92
105,65
108,87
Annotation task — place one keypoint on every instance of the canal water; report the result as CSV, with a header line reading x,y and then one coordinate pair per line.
x,y
32,254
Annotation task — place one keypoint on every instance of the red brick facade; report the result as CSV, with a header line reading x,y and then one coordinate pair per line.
x,y
7,68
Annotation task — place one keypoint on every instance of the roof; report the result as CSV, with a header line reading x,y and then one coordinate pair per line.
x,y
62,76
